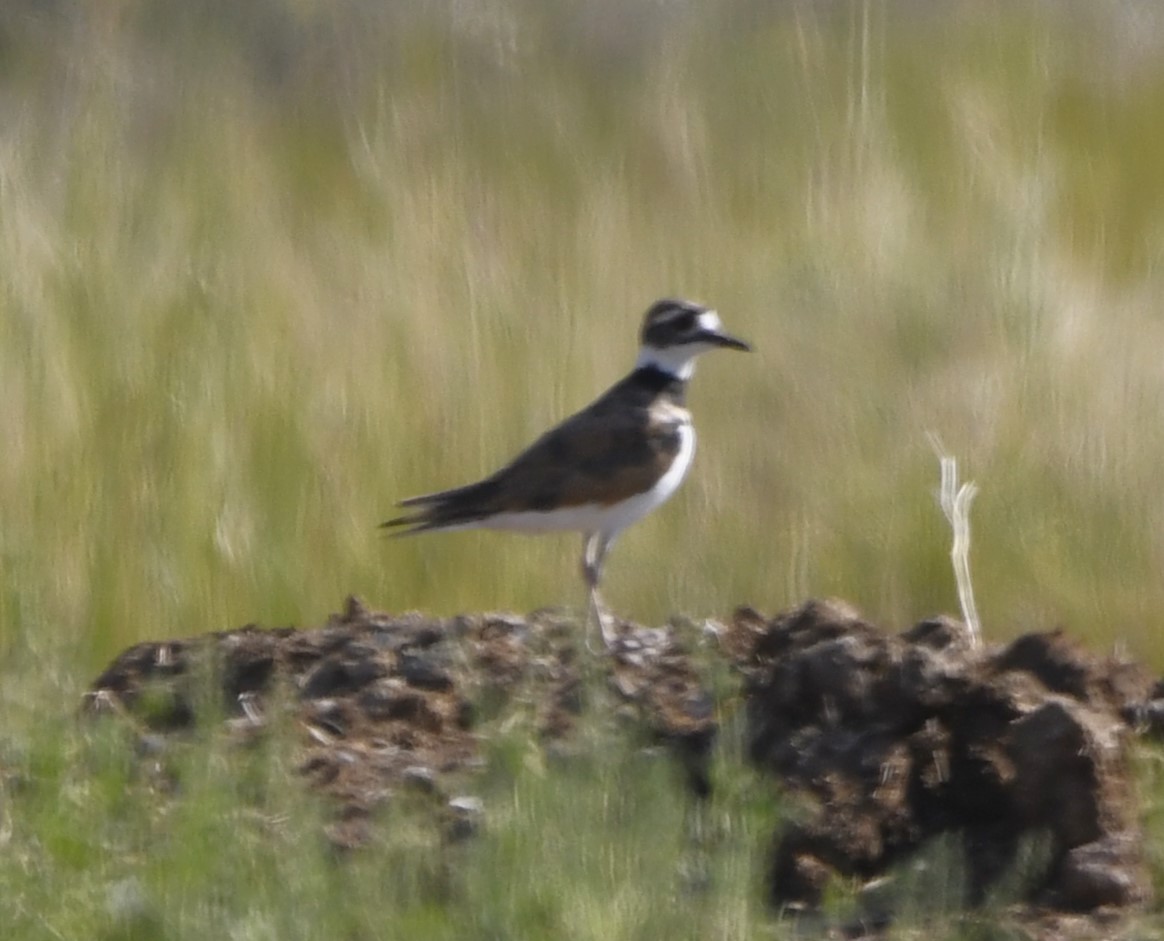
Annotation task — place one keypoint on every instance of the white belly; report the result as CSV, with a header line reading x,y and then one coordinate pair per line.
x,y
597,518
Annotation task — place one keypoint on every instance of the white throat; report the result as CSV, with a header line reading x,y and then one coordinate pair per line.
x,y
677,361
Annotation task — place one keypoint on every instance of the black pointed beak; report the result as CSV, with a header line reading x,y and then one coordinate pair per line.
x,y
725,340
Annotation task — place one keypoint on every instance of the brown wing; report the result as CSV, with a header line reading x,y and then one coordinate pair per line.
x,y
611,450
599,456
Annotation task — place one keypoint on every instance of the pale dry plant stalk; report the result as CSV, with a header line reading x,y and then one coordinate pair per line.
x,y
955,501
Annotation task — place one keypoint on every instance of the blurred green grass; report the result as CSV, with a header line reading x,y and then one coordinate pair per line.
x,y
269,267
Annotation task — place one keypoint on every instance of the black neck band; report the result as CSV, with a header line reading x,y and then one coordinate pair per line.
x,y
656,380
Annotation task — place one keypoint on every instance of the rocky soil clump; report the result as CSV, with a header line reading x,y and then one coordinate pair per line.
x,y
897,738
383,702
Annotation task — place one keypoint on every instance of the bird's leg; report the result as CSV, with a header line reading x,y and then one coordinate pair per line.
x,y
594,546
590,575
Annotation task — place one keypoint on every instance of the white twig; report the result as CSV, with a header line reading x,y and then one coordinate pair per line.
x,y
955,501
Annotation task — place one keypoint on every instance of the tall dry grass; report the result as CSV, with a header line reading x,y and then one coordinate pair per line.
x,y
271,267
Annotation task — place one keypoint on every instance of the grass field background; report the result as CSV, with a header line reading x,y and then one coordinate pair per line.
x,y
270,266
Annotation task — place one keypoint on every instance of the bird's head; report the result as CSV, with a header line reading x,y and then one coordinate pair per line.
x,y
676,331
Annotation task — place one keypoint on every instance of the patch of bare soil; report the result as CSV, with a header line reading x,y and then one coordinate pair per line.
x,y
897,738
390,701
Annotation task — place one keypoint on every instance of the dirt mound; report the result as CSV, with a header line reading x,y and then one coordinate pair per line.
x,y
893,739
899,738
389,701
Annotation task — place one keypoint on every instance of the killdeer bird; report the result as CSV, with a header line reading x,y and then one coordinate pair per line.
x,y
603,468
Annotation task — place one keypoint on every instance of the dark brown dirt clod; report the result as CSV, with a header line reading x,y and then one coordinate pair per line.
x,y
899,738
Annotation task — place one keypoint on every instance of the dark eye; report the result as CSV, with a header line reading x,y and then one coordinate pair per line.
x,y
685,321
